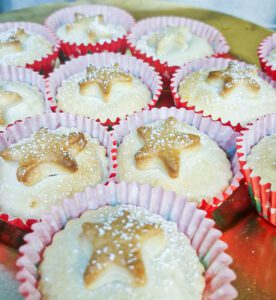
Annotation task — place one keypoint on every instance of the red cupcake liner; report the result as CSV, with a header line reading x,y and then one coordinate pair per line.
x,y
263,51
197,65
113,14
45,64
262,196
13,73
190,220
26,128
212,35
225,136
132,65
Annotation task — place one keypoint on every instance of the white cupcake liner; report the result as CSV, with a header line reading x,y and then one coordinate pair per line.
x,y
112,14
44,64
143,27
263,51
128,64
197,65
190,220
12,73
225,136
26,128
262,196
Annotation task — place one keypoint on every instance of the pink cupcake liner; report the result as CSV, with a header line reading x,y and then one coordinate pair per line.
x,y
19,74
132,65
112,14
225,136
262,196
190,220
212,35
263,51
197,65
26,128
45,64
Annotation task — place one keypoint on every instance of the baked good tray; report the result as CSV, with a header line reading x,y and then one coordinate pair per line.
x,y
251,240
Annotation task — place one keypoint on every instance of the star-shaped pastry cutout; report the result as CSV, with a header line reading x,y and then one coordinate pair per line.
x,y
7,99
85,23
104,77
234,74
45,147
118,243
166,143
170,39
12,40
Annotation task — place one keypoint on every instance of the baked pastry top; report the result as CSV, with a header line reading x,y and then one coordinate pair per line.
x,y
174,45
40,171
89,30
19,100
19,47
103,92
235,93
174,156
120,253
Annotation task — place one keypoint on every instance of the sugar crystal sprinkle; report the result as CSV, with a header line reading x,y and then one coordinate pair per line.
x,y
236,73
104,77
45,146
166,143
120,244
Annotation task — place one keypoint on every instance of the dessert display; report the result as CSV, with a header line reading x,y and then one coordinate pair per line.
x,y
120,250
105,86
127,145
230,91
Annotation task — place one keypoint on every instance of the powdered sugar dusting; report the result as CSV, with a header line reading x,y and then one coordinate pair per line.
x,y
172,264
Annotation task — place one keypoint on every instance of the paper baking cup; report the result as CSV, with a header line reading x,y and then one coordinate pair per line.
x,y
24,129
190,220
128,64
225,136
112,14
212,35
196,65
45,64
24,75
263,51
262,196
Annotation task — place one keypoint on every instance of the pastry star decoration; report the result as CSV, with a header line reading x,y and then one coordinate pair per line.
x,y
165,143
234,74
7,99
89,25
45,147
11,41
170,40
104,78
118,243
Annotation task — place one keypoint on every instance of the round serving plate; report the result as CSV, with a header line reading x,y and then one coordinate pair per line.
x,y
251,240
